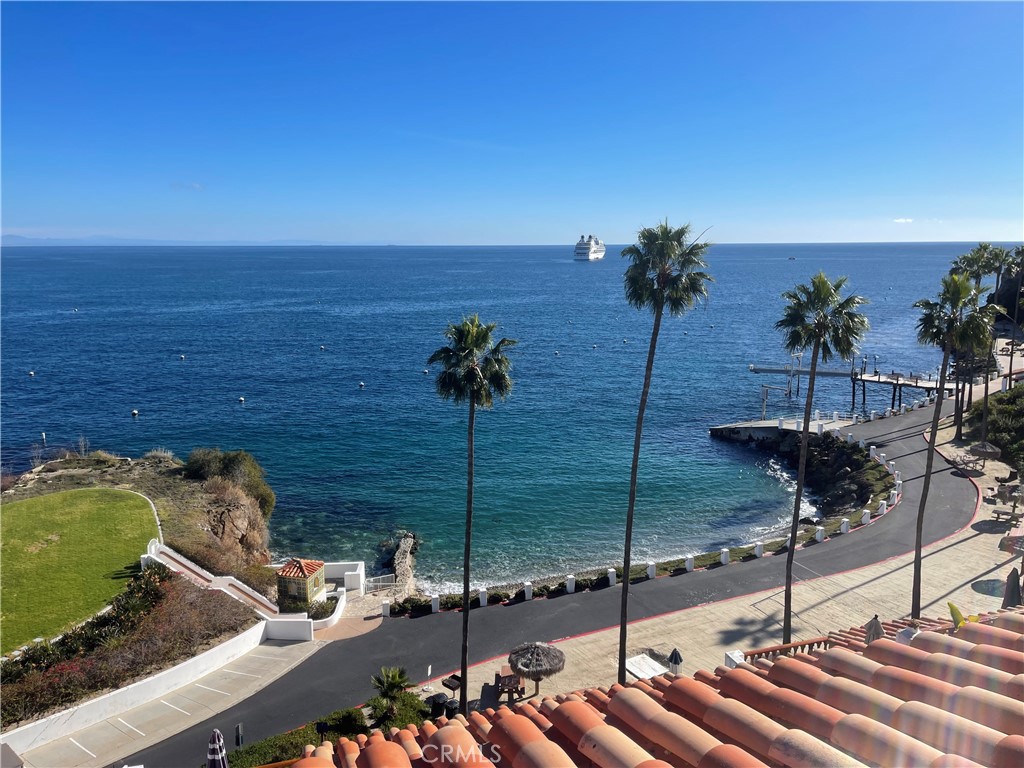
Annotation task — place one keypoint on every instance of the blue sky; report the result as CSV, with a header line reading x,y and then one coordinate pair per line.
x,y
513,123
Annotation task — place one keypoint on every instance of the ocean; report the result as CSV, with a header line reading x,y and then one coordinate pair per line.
x,y
295,331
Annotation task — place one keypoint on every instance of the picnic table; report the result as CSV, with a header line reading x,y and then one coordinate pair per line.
x,y
506,681
966,461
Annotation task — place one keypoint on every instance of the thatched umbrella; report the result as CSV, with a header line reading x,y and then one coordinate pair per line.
x,y
535,661
1012,593
985,451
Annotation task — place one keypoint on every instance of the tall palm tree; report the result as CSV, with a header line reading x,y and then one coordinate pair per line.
x,y
816,317
1018,267
473,370
976,263
999,260
953,322
665,273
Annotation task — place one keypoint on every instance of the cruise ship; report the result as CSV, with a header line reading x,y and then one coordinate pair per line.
x,y
589,249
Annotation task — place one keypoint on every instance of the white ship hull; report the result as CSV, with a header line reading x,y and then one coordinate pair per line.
x,y
590,249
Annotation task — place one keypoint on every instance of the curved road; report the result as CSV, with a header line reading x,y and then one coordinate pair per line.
x,y
338,675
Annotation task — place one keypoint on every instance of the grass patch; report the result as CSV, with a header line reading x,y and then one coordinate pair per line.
x,y
65,556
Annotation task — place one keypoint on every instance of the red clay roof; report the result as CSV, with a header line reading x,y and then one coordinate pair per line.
x,y
297,568
946,698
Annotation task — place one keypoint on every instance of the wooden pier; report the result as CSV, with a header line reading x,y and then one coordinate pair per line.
x,y
898,381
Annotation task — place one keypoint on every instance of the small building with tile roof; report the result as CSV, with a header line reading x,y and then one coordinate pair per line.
x,y
301,580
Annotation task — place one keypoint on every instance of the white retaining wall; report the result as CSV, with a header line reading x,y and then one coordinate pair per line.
x,y
109,705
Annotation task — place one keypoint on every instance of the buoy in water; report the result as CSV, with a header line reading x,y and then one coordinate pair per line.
x,y
361,385
241,399
76,308
556,353
31,373
426,371
134,413
624,341
181,357
594,346
321,347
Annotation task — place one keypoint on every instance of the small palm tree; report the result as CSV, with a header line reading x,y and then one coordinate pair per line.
x,y
999,261
954,321
390,683
473,370
1017,266
816,317
664,274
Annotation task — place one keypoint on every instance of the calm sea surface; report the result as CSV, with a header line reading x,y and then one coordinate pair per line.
x,y
104,329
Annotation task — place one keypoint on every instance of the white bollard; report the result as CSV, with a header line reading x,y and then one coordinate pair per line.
x,y
817,415
865,516
799,425
892,467
897,476
528,590
844,525
860,443
689,564
821,428
835,415
899,486
872,452
892,498
836,433
819,533
882,507
759,549
903,410
611,577
874,415
724,559
881,459
385,609
435,603
652,570
780,422
570,583
483,597
849,437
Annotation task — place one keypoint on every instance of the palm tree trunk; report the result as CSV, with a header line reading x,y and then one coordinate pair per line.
x,y
626,559
915,597
464,670
1016,307
801,474
984,408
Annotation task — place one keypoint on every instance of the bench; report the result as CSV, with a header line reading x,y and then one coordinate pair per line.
x,y
968,462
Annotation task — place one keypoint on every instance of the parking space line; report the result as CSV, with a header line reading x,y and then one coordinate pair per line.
x,y
223,693
254,656
90,754
239,673
132,727
177,708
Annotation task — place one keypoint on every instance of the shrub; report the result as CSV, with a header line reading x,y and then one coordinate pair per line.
x,y
160,453
157,621
319,609
408,709
7,480
240,467
288,746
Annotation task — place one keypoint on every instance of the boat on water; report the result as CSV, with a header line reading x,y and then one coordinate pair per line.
x,y
590,249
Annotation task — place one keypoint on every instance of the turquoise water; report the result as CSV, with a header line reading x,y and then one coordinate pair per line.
x,y
351,465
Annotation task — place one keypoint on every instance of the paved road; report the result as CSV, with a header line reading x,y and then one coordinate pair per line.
x,y
339,674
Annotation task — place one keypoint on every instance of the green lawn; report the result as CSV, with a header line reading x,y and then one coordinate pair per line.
x,y
64,556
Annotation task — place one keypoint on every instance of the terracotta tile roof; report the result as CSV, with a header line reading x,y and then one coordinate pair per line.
x,y
297,568
935,698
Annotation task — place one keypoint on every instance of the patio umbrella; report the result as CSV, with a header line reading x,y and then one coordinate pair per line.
x,y
985,451
1011,595
873,630
216,754
535,661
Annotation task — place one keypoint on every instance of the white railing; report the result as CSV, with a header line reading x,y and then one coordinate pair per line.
x,y
375,584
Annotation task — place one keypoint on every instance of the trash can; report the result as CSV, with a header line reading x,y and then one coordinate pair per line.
x,y
436,704
451,708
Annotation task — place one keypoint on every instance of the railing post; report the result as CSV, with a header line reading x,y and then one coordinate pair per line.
x,y
689,564
483,597
724,559
759,549
385,608
819,533
652,570
435,603
611,577
844,525
882,507
528,590
865,516
872,451
570,584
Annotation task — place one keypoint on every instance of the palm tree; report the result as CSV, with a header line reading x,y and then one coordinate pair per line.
x,y
953,322
1018,267
816,317
976,263
664,274
999,260
390,683
473,370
